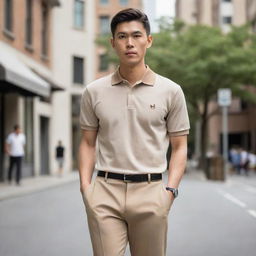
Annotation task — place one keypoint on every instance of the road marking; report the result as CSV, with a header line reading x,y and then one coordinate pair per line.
x,y
234,200
252,212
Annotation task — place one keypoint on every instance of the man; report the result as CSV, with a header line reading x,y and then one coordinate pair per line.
x,y
59,154
133,114
14,147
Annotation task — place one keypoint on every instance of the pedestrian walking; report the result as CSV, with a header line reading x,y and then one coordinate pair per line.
x,y
14,147
59,154
245,162
133,114
235,159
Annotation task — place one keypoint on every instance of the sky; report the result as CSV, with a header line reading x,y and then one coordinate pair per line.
x,y
162,8
165,7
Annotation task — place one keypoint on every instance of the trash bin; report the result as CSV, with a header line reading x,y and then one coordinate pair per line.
x,y
215,168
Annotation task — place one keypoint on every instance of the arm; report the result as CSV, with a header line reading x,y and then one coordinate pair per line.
x,y
7,148
87,151
178,160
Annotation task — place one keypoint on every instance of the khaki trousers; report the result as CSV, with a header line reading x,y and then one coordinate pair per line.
x,y
120,212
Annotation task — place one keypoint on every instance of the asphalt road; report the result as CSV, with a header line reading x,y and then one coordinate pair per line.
x,y
208,218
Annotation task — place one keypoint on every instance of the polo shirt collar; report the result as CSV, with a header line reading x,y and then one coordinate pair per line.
x,y
148,78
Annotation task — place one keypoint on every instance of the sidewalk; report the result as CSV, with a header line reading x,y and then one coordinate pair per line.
x,y
35,184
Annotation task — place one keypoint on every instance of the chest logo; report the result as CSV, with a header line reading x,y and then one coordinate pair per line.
x,y
152,106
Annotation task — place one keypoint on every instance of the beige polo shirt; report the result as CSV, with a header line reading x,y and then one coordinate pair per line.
x,y
134,122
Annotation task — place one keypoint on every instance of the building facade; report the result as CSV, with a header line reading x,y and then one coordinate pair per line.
x,y
224,13
26,87
72,65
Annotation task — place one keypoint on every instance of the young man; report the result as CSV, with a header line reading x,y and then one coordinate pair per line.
x,y
59,155
134,114
14,147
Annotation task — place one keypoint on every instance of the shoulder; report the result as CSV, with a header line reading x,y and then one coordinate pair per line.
x,y
10,135
98,84
167,84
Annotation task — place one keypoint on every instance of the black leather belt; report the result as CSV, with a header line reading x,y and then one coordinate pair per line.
x,y
131,177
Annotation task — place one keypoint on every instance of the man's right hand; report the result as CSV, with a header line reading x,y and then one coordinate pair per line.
x,y
84,186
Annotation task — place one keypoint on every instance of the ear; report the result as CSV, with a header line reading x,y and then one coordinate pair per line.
x,y
150,41
112,42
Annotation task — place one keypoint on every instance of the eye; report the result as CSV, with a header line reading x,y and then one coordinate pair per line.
x,y
138,35
121,36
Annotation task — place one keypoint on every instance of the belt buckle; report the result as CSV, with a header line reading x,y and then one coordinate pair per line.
x,y
125,180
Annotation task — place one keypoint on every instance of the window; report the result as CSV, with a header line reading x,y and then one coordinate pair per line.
x,y
104,25
227,20
29,28
8,19
44,35
103,62
123,2
79,14
103,2
78,70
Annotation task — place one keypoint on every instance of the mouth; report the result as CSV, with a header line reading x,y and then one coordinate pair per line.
x,y
131,53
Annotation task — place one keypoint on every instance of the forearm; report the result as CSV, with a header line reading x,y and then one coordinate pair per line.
x,y
7,149
86,163
177,166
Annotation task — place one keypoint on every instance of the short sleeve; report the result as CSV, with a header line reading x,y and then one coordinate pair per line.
x,y
177,118
8,140
88,119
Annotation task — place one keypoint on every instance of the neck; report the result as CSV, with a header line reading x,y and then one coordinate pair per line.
x,y
132,73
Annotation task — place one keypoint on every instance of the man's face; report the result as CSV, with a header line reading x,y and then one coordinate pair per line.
x,y
18,131
131,42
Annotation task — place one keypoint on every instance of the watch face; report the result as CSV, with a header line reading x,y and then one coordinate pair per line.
x,y
173,190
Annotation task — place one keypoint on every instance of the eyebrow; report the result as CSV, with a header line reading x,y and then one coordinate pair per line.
x,y
125,33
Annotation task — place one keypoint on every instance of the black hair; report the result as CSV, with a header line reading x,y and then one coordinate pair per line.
x,y
130,14
15,127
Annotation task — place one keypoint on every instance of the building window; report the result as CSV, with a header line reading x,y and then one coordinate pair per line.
x,y
29,28
123,2
45,17
103,62
227,20
79,14
103,2
104,25
78,70
8,19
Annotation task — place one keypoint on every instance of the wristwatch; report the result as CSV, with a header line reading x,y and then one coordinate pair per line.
x,y
173,190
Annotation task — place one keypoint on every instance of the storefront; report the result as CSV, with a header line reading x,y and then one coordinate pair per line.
x,y
18,87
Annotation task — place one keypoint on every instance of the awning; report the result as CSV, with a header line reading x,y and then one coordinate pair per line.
x,y
16,76
54,85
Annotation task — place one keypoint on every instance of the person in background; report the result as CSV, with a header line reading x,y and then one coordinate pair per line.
x,y
245,162
235,159
252,159
60,157
14,147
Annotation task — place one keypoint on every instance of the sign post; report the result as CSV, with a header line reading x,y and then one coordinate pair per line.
x,y
224,100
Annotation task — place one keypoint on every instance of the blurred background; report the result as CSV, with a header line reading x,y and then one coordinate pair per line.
x,y
50,50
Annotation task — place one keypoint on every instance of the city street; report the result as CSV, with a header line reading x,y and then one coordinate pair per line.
x,y
208,218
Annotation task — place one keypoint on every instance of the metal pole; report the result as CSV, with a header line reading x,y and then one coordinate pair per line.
x,y
225,139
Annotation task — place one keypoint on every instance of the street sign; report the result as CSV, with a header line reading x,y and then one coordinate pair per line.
x,y
224,97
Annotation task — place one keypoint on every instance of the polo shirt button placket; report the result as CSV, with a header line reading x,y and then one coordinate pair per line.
x,y
130,99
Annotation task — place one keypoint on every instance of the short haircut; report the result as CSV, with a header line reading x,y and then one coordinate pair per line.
x,y
16,127
130,14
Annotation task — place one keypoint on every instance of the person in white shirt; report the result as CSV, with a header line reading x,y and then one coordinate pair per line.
x,y
15,143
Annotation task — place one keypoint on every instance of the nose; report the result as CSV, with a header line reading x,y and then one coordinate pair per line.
x,y
129,42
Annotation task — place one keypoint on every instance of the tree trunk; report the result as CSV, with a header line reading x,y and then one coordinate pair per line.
x,y
204,136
